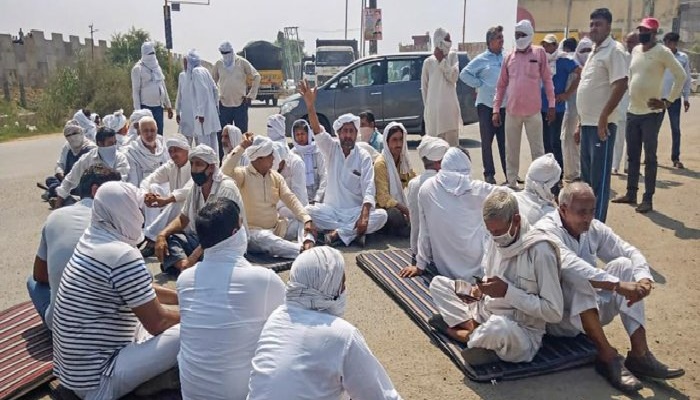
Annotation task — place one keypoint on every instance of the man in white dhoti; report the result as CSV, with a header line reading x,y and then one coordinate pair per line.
x,y
537,198
105,154
593,297
262,189
196,103
224,303
505,313
348,209
307,350
431,150
148,87
314,163
276,128
166,190
177,246
453,240
392,171
146,153
441,113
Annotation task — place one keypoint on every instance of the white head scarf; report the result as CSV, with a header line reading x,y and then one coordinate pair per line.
x,y
542,175
193,60
261,147
115,121
432,148
281,153
395,187
235,137
346,119
204,153
135,118
454,172
585,43
89,127
276,128
524,26
316,280
150,61
229,58
94,117
116,210
77,141
177,140
306,152
440,42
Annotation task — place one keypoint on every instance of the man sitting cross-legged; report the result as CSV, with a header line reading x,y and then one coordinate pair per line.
x,y
508,310
593,296
177,246
261,189
537,199
348,207
224,303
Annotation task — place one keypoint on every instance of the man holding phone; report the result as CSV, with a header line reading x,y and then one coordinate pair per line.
x,y
503,315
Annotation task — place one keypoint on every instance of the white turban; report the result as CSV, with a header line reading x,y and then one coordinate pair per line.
x,y
83,120
228,58
454,172
281,153
584,44
72,127
115,121
525,26
316,280
204,153
346,119
440,42
116,211
193,60
94,117
177,140
135,118
151,61
235,136
225,46
276,128
261,147
432,148
542,175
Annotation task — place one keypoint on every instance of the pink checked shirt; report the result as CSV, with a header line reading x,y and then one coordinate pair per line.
x,y
522,76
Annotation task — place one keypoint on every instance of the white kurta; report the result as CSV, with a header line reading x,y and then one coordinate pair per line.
x,y
178,183
306,354
61,162
71,181
452,232
315,164
412,198
198,96
224,303
294,174
439,89
532,207
223,187
142,162
623,262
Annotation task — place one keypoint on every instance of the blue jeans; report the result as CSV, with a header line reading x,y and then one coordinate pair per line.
x,y
180,246
232,115
674,116
596,162
40,293
157,115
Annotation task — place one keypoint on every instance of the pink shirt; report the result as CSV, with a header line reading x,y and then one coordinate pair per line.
x,y
522,76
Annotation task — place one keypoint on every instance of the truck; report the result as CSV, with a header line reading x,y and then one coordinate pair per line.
x,y
267,59
332,56
309,72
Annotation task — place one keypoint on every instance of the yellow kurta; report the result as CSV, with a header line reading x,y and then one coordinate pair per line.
x,y
381,182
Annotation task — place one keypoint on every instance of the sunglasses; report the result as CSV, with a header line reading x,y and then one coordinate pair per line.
x,y
226,52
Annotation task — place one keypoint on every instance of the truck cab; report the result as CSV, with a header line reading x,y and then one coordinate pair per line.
x,y
309,72
332,59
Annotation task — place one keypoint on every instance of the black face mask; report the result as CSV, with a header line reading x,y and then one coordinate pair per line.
x,y
645,37
199,178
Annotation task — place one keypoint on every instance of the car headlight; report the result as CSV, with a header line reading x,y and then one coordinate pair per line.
x,y
288,106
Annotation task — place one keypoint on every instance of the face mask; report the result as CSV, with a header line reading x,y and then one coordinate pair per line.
x,y
366,133
108,155
506,239
75,141
645,37
582,58
446,46
228,59
523,42
199,178
338,308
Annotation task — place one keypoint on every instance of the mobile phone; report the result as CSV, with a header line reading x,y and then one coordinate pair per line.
x,y
463,290
479,279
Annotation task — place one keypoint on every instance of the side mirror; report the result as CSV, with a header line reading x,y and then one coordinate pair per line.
x,y
344,82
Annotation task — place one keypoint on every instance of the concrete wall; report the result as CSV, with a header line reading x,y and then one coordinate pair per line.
x,y
38,57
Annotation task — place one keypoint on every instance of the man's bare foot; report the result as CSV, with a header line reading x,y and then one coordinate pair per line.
x,y
331,238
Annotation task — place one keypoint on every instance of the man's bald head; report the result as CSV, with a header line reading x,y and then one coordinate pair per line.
x,y
577,207
631,41
575,191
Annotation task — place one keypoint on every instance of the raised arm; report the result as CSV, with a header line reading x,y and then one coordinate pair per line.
x,y
450,67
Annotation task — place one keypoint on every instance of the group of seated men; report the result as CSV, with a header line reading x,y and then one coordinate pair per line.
x,y
528,264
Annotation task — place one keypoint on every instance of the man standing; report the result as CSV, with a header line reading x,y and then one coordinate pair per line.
x,y
439,89
482,74
196,103
603,83
646,111
148,85
674,110
565,78
524,72
231,74
631,40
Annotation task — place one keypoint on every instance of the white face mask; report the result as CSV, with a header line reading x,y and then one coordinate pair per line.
x,y
366,133
75,141
108,155
582,58
445,46
506,239
338,308
523,42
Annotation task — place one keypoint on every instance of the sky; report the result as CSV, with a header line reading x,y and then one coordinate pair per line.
x,y
205,27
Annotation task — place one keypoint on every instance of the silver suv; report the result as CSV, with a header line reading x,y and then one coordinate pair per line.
x,y
387,85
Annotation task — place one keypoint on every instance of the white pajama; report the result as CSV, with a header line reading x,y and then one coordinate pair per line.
x,y
265,241
514,131
165,215
571,150
619,147
151,214
326,217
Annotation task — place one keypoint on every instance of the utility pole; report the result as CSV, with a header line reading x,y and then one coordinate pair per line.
x,y
346,19
568,19
92,39
464,25
629,17
373,43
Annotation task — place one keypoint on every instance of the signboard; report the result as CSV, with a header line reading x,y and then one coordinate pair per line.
x,y
373,24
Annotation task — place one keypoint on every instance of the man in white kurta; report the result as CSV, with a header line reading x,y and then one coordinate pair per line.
x,y
166,189
348,210
593,297
224,303
537,199
441,113
431,150
146,153
148,88
197,103
307,350
276,127
453,240
518,296
293,170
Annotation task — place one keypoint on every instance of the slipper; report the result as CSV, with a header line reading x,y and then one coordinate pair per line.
x,y
479,356
438,323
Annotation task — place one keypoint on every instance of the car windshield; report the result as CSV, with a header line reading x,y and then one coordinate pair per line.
x,y
334,58
309,69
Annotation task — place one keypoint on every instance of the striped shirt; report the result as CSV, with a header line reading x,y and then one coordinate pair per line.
x,y
104,280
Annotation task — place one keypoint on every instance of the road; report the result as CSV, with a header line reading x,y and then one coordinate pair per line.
x,y
669,237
